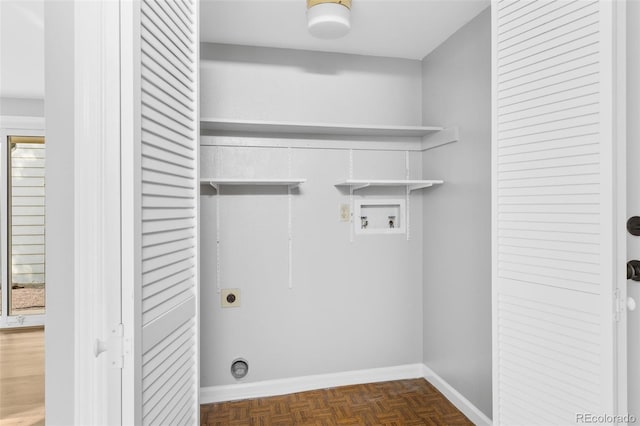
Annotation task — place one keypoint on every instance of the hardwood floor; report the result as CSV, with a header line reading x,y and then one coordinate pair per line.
x,y
402,402
22,377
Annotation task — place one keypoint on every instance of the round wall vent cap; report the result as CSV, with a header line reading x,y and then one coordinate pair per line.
x,y
239,368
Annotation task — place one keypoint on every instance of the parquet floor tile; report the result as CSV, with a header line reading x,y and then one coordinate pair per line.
x,y
398,403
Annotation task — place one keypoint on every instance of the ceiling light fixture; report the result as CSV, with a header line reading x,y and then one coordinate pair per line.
x,y
328,18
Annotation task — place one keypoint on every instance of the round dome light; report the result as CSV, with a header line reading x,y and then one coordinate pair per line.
x,y
328,19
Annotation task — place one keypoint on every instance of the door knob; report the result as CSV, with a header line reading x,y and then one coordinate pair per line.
x,y
633,225
633,270
631,304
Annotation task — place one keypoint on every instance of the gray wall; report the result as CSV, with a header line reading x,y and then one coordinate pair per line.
x,y
59,332
457,215
22,107
354,305
292,85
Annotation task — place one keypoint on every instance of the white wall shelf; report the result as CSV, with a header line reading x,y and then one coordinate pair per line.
x,y
324,129
411,184
217,182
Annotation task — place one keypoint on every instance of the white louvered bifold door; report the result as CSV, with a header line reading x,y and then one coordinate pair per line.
x,y
554,210
165,217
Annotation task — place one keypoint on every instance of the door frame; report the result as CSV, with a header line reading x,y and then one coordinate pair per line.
x,y
97,238
13,126
83,66
619,94
620,138
633,198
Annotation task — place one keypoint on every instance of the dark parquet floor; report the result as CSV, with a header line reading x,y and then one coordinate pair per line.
x,y
397,403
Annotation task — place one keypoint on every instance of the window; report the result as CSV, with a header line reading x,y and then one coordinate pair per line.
x,y
23,295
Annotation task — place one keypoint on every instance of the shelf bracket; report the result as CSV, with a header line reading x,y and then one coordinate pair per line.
x,y
361,186
443,137
218,256
420,186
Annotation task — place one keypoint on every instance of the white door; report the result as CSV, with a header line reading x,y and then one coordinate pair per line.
x,y
633,197
160,188
558,222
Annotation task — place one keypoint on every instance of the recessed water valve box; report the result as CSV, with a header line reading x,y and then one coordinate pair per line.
x,y
379,216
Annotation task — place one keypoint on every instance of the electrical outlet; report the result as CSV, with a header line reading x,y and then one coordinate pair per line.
x,y
230,297
345,212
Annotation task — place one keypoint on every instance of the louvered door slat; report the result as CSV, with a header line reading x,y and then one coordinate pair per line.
x,y
157,147
188,8
167,247
154,382
167,179
530,57
150,240
158,75
165,167
165,214
159,67
178,16
160,111
520,14
556,236
161,114
161,262
156,189
160,405
172,26
163,96
548,149
154,306
166,283
168,227
537,25
553,278
159,36
151,227
158,128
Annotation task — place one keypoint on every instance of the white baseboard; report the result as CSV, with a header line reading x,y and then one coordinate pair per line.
x,y
307,383
463,404
266,388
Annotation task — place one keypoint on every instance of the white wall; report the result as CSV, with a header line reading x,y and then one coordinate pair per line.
x,y
21,50
59,113
354,305
457,216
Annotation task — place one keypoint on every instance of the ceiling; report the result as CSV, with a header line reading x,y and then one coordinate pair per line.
x,y
393,28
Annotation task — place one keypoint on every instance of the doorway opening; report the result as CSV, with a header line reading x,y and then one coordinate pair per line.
x,y
22,216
